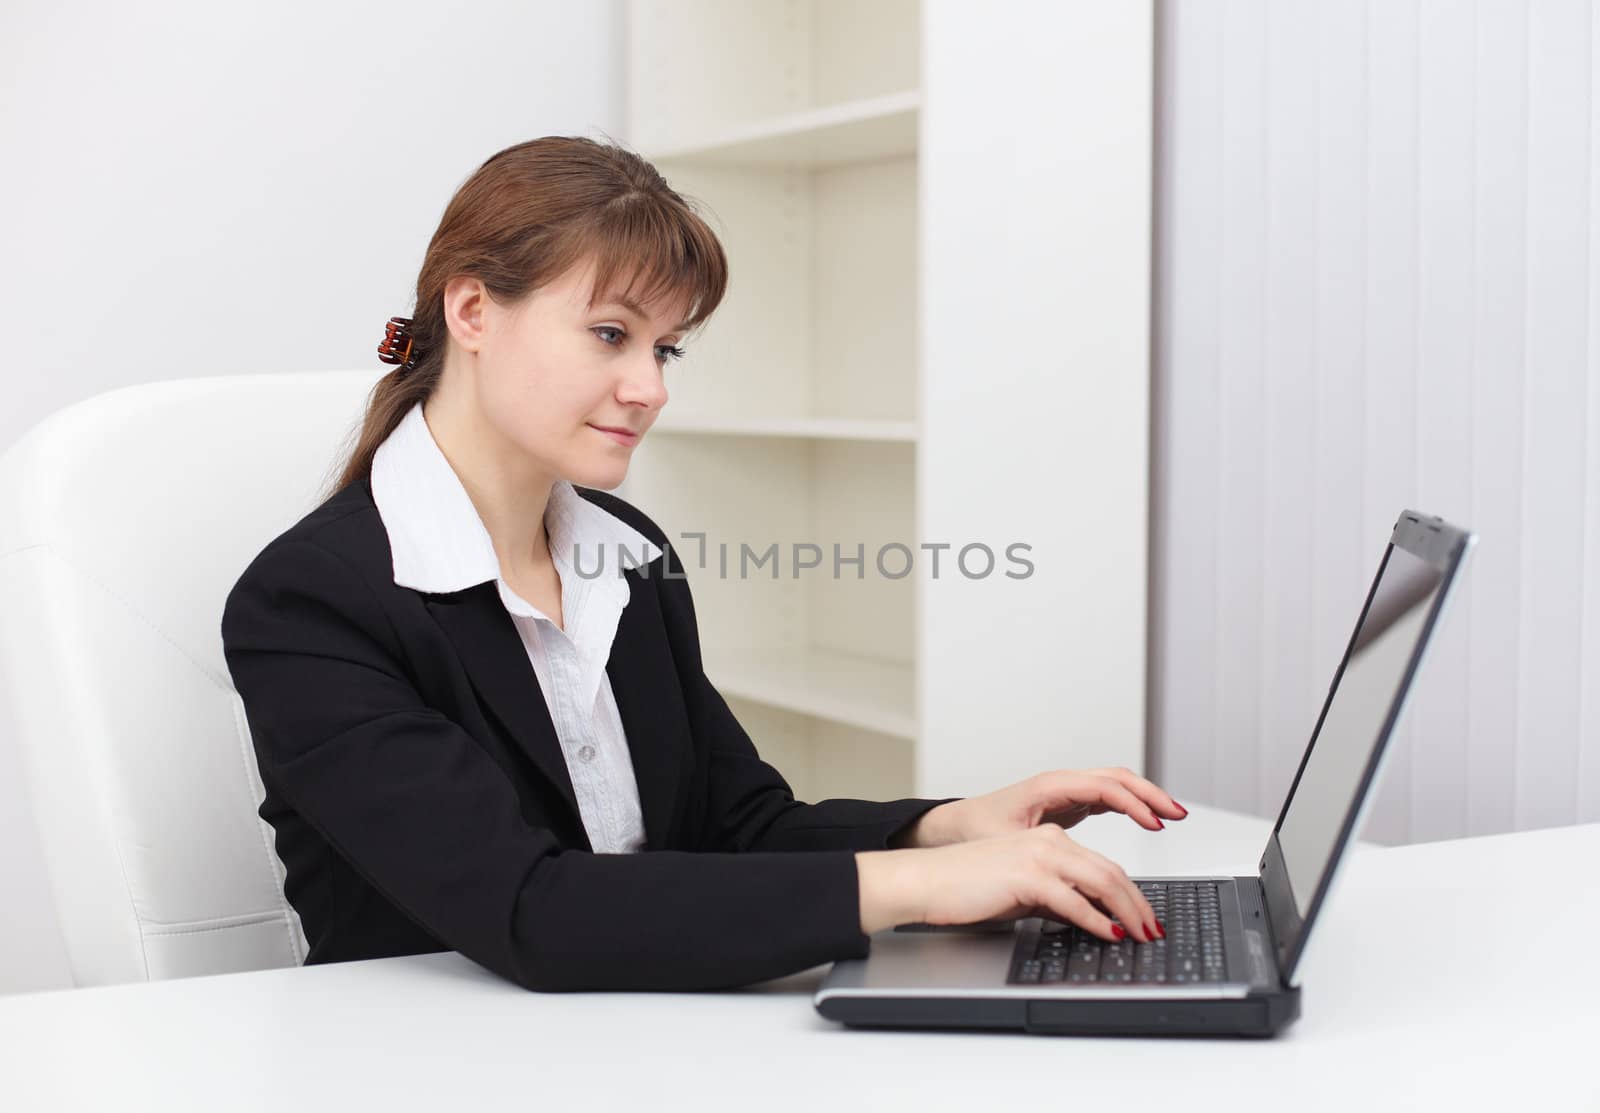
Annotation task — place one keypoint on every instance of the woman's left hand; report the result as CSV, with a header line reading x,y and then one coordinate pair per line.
x,y
1063,796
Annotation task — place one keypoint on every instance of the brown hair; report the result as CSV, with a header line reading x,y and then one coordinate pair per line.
x,y
522,219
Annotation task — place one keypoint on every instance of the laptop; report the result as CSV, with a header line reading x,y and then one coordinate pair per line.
x,y
1235,946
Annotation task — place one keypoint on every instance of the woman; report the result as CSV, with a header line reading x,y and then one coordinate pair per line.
x,y
471,741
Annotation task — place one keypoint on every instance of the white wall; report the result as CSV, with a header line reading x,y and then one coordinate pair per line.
x,y
211,189
1377,289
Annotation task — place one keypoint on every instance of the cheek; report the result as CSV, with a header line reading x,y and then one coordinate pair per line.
x,y
571,384
544,395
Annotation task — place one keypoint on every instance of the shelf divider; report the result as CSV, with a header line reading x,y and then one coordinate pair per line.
x,y
852,131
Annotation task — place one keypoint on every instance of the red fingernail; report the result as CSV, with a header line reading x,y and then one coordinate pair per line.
x,y
1159,825
1116,929
1149,930
1180,807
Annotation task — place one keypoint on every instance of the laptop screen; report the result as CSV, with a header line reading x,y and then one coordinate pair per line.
x,y
1359,704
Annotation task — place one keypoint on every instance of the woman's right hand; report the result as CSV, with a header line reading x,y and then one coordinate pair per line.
x,y
1040,871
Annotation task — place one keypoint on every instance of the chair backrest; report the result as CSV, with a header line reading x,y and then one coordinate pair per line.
x,y
124,522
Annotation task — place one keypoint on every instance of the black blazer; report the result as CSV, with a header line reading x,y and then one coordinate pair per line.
x,y
421,801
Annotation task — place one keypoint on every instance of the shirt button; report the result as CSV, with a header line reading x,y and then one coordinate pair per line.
x,y
587,753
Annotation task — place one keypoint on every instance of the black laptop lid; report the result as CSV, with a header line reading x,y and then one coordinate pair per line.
x,y
1336,781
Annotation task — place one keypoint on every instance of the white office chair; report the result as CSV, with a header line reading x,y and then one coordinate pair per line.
x,y
124,522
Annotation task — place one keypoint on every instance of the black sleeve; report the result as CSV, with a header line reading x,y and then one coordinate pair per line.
x,y
429,818
749,806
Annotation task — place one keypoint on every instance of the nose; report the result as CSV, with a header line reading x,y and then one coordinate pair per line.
x,y
642,383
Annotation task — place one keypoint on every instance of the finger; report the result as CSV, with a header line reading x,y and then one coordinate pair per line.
x,y
1115,794
1126,905
1141,903
1150,794
1109,912
1098,791
1070,906
1105,880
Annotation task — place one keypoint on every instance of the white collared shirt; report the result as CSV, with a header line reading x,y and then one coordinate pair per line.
x,y
440,544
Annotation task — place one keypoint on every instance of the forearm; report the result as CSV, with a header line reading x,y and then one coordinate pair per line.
x,y
847,824
931,828
751,808
679,921
885,892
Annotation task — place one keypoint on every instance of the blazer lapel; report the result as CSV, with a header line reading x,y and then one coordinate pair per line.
x,y
496,660
643,679
651,706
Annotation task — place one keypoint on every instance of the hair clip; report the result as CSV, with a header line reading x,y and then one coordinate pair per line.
x,y
397,343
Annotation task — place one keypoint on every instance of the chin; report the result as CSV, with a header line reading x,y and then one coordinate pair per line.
x,y
600,477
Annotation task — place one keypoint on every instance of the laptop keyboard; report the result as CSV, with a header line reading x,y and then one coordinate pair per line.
x,y
1191,952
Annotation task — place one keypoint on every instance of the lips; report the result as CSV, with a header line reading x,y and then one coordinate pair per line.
x,y
625,437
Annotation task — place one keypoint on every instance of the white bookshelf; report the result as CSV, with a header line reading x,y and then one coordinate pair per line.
x,y
877,368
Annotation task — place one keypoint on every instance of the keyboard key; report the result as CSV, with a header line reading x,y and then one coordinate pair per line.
x,y
1084,965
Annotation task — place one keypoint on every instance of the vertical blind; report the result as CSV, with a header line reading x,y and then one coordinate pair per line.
x,y
1377,289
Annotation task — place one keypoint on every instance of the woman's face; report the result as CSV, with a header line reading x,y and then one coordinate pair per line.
x,y
553,374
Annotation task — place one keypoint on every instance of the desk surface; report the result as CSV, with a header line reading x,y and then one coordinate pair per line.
x,y
1496,1018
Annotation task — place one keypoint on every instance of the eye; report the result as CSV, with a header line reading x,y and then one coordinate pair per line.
x,y
664,351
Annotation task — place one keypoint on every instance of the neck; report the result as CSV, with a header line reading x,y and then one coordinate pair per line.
x,y
509,492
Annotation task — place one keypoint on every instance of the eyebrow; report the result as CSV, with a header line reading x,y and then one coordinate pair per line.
x,y
638,311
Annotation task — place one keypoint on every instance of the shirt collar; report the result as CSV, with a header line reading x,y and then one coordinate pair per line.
x,y
439,542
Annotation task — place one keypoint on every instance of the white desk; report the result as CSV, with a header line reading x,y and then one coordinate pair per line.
x,y
1496,1019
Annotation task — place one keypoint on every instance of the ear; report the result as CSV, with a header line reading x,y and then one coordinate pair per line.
x,y
465,302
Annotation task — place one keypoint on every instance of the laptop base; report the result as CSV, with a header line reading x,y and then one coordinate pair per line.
x,y
1255,1015
956,976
